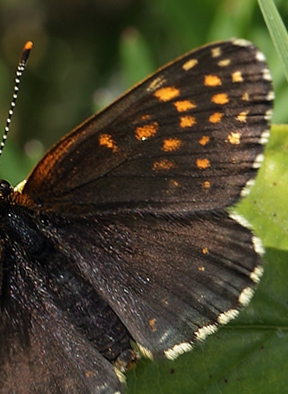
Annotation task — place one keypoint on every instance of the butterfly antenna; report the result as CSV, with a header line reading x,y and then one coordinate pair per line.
x,y
20,69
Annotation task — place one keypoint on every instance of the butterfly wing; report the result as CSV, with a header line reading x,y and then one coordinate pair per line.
x,y
171,280
188,138
133,200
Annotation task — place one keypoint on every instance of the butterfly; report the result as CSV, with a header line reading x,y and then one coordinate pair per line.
x,y
119,243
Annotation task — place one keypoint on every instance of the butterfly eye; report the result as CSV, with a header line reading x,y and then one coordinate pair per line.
x,y
5,189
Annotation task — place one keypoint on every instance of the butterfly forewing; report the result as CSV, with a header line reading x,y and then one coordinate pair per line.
x,y
120,232
186,138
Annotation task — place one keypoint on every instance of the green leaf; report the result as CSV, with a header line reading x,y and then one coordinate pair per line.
x,y
15,164
277,30
266,205
136,58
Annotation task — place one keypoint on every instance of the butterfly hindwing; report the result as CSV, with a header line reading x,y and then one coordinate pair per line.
x,y
169,276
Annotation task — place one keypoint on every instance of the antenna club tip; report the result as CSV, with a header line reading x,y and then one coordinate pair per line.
x,y
28,46
26,52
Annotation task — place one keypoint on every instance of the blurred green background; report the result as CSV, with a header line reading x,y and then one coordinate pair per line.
x,y
88,52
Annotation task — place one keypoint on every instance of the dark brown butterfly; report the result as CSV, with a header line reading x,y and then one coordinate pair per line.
x,y
120,234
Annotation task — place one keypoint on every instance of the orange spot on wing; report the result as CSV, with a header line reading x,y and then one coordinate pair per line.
x,y
190,64
147,131
156,83
174,183
145,117
187,121
216,117
202,164
163,165
242,117
237,76
234,138
184,105
166,94
212,80
220,98
171,144
224,62
204,140
205,250
89,374
206,185
107,140
216,52
152,324
245,96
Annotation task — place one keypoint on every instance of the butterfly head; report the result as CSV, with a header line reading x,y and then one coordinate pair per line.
x,y
6,190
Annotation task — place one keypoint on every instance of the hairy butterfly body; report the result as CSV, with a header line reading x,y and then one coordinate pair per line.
x,y
120,233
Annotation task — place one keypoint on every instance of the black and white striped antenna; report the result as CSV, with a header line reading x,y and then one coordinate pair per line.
x,y
20,69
